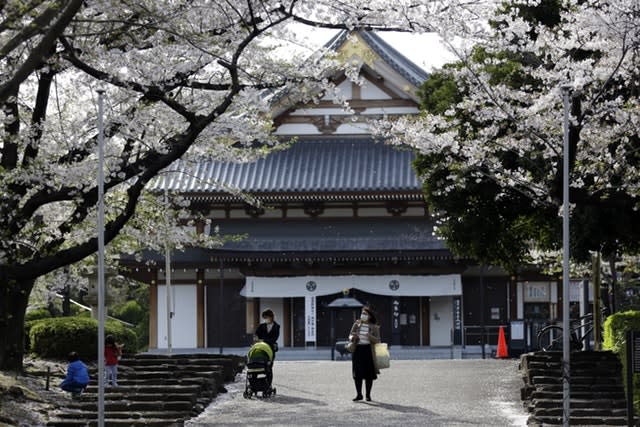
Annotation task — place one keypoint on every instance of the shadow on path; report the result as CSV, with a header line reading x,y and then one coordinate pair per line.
x,y
429,415
283,399
398,408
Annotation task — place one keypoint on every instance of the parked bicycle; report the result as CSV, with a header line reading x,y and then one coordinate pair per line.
x,y
550,338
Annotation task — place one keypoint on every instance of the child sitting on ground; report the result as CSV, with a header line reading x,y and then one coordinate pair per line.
x,y
77,376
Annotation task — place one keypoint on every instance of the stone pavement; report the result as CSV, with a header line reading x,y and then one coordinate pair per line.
x,y
411,393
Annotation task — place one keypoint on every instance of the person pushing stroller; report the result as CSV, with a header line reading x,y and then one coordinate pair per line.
x,y
261,356
269,331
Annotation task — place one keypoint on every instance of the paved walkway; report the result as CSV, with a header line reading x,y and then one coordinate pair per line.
x,y
410,393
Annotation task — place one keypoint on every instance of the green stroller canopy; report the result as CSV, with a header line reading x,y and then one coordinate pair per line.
x,y
260,350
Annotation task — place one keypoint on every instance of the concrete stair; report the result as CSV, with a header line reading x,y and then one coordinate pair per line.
x,y
154,390
596,390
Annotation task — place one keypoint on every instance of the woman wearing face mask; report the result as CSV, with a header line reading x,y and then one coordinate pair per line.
x,y
269,331
365,332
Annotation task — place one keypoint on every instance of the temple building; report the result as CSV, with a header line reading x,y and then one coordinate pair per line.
x,y
341,215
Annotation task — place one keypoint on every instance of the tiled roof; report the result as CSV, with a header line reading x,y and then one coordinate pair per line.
x,y
400,63
328,165
322,235
318,239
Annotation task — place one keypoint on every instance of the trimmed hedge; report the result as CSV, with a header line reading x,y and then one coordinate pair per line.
x,y
37,314
615,339
56,337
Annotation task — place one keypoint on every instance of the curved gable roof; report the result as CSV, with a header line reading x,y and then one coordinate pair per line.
x,y
310,165
400,63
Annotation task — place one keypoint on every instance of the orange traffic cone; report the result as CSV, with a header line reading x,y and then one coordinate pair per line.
x,y
502,351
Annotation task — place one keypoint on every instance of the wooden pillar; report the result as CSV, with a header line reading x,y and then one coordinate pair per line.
x,y
513,298
286,322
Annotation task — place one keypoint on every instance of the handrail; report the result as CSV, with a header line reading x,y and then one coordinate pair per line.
x,y
87,308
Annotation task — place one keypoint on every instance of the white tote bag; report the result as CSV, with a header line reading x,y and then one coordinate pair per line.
x,y
382,356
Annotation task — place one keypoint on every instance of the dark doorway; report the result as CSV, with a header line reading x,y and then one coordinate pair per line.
x,y
536,316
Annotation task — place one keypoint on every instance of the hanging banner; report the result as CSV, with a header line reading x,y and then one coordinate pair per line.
x,y
310,318
390,285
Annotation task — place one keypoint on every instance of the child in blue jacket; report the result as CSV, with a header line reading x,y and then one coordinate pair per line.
x,y
77,376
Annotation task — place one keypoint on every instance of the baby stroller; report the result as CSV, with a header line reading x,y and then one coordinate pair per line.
x,y
259,371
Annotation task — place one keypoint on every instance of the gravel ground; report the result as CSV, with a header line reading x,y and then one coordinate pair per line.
x,y
411,392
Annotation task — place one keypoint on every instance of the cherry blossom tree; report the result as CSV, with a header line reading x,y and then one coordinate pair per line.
x,y
490,141
181,79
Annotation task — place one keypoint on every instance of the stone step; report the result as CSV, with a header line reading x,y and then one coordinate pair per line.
x,y
582,403
140,397
154,390
184,373
580,395
582,372
132,415
115,422
580,359
142,360
579,381
606,364
542,356
180,356
165,381
228,372
581,412
147,389
536,421
128,406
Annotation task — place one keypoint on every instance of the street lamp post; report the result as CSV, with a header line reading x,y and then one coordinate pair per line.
x,y
167,268
566,327
100,260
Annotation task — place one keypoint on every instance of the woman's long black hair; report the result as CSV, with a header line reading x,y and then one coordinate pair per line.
x,y
372,316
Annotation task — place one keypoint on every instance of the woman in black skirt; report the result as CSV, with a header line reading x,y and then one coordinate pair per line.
x,y
365,332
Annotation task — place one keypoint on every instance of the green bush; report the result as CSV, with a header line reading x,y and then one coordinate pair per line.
x,y
130,311
38,313
29,319
57,337
615,339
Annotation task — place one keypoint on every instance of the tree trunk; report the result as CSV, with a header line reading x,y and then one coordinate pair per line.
x,y
13,306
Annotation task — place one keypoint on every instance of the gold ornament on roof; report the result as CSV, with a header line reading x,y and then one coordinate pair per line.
x,y
355,49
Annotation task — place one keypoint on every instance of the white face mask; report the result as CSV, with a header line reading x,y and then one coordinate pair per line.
x,y
364,317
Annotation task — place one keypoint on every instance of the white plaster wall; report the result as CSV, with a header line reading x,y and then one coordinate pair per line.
x,y
297,129
344,89
337,111
184,322
441,322
391,110
370,91
353,129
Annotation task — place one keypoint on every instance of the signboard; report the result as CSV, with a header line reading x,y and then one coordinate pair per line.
x,y
396,314
457,321
310,318
536,292
517,330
